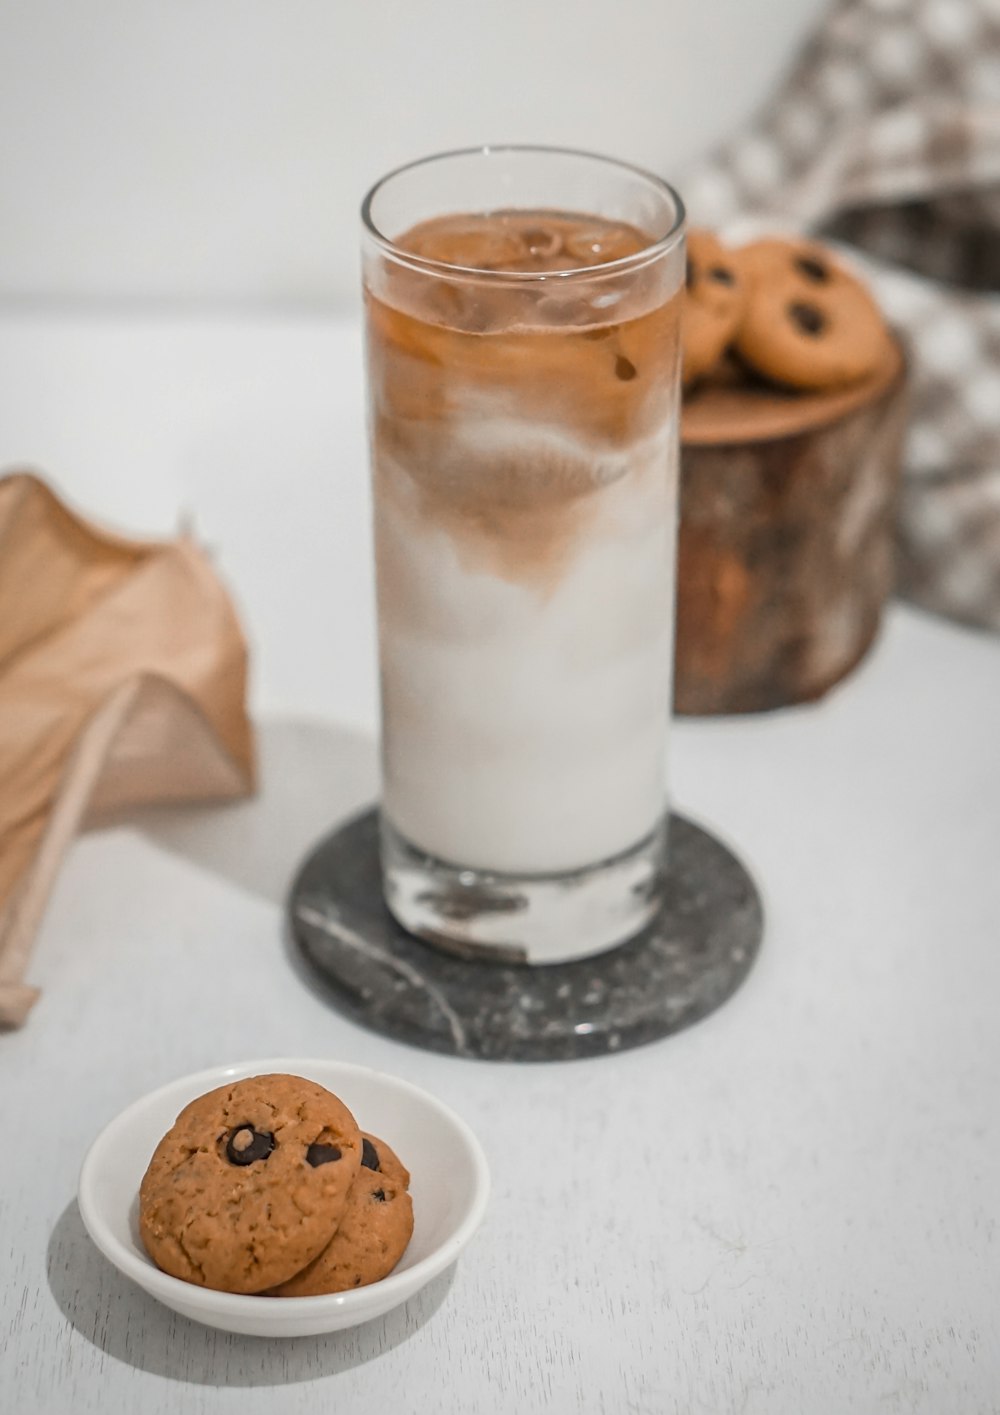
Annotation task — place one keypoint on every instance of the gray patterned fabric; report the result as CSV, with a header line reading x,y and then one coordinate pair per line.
x,y
885,139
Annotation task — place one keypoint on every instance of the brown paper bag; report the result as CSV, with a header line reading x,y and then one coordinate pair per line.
x,y
122,682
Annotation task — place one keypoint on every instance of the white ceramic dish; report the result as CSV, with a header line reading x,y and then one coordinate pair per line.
x,y
450,1187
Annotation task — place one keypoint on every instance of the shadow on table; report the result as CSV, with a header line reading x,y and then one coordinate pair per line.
x,y
124,1322
312,776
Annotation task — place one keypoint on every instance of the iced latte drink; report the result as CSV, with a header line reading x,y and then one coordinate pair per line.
x,y
522,344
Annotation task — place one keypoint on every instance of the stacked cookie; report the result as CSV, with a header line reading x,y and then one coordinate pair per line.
x,y
268,1186
781,310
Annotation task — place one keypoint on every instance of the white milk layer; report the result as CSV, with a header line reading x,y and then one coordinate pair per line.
x,y
525,731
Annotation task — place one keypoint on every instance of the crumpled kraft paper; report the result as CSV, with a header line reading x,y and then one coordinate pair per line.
x,y
123,676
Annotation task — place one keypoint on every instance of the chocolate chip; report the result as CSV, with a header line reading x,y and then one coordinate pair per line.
x,y
625,369
691,277
322,1154
812,269
369,1154
722,275
379,1194
807,318
246,1145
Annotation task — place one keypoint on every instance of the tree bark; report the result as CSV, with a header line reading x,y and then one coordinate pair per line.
x,y
786,541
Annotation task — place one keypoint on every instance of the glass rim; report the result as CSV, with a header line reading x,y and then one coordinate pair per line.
x,y
660,247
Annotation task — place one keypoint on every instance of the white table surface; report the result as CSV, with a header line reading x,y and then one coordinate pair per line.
x,y
790,1209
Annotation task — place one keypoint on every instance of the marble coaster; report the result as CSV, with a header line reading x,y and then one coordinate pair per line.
x,y
686,963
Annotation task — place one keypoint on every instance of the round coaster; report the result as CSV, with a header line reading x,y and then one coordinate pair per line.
x,y
685,964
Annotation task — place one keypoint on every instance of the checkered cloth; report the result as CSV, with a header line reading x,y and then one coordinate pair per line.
x,y
886,138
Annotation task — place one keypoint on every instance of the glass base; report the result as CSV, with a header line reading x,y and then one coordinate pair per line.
x,y
523,918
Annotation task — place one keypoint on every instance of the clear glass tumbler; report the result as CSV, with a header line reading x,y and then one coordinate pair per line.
x,y
522,348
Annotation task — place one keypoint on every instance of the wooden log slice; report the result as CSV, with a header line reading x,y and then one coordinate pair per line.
x,y
787,511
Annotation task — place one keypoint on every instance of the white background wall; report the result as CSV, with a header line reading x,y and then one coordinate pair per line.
x,y
218,149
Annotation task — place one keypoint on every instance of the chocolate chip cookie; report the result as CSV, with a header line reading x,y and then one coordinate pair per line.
x,y
250,1183
373,1233
808,323
713,304
789,256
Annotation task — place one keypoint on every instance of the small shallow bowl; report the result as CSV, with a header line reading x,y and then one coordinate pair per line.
x,y
450,1187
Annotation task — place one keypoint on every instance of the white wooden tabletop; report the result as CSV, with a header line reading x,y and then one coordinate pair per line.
x,y
791,1209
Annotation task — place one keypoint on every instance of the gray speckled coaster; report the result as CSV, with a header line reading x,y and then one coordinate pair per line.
x,y
691,958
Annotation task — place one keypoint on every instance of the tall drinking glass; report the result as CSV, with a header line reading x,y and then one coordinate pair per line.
x,y
522,346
